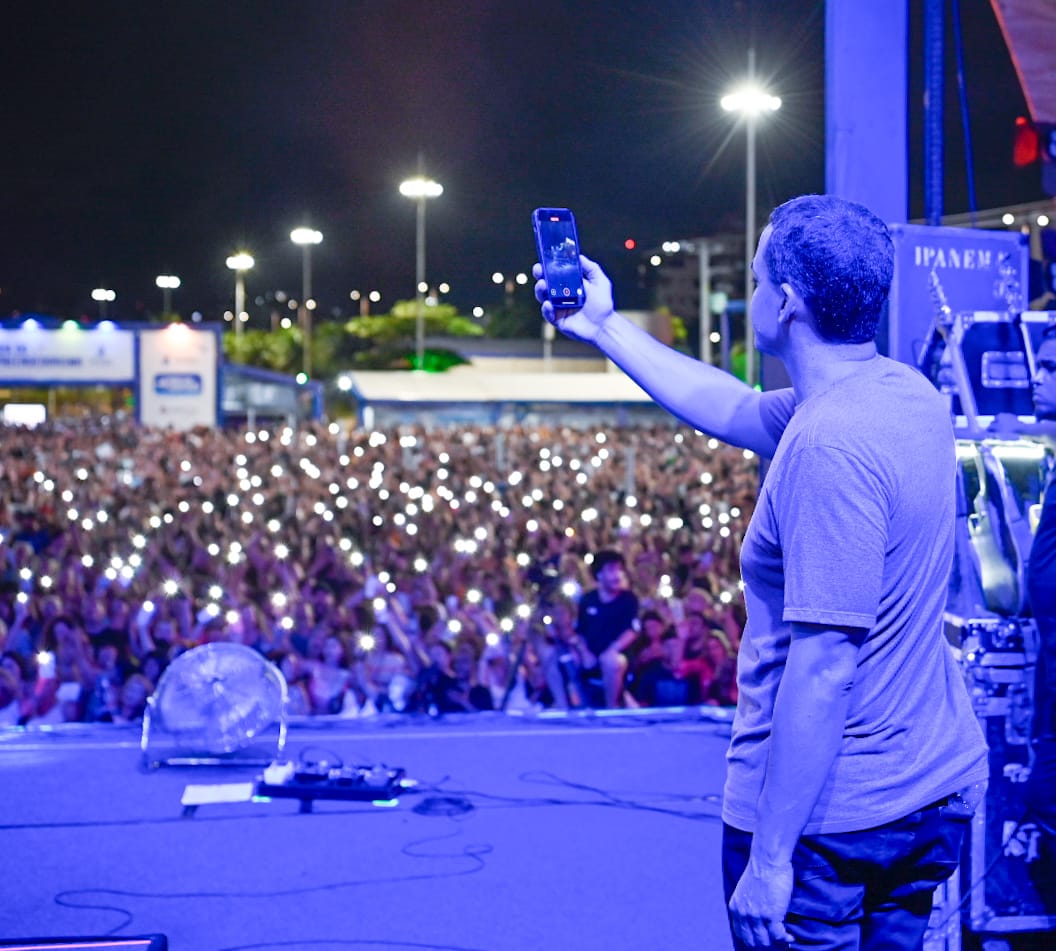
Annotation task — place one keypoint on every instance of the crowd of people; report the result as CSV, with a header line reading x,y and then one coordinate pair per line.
x,y
443,570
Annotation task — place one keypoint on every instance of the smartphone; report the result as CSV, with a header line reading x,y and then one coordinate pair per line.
x,y
557,244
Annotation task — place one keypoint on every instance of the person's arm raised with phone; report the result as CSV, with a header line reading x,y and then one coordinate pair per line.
x,y
705,397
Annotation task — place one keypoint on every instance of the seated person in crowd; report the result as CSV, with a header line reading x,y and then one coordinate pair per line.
x,y
666,681
608,624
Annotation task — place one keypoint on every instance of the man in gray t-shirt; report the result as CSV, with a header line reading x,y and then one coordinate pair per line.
x,y
854,529
854,734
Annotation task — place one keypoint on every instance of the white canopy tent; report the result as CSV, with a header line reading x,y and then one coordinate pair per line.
x,y
465,394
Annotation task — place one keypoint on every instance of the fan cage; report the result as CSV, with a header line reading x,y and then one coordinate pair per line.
x,y
217,704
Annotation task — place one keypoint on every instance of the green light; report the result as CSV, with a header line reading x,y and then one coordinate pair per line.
x,y
70,325
302,378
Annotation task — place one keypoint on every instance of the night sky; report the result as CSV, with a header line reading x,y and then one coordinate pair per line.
x,y
148,138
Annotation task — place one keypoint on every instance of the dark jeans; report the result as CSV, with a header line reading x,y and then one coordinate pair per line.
x,y
862,891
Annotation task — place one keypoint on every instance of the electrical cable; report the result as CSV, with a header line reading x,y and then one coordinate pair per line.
x,y
438,803
608,799
328,760
452,804
70,898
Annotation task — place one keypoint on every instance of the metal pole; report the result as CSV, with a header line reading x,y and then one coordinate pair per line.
x,y
419,324
306,293
240,301
704,260
166,297
548,346
749,238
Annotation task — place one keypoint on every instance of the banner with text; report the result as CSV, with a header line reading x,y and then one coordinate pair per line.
x,y
178,377
35,356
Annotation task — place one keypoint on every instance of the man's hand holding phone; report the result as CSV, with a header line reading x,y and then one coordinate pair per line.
x,y
583,323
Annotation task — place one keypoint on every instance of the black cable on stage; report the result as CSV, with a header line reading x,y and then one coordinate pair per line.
x,y
608,799
443,806
473,852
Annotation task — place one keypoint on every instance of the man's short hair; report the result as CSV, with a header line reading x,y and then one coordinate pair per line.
x,y
606,556
839,257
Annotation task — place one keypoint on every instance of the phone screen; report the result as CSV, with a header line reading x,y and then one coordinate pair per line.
x,y
558,248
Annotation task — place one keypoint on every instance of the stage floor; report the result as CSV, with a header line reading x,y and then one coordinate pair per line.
x,y
597,832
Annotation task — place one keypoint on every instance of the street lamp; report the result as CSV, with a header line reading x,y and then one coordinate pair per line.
x,y
750,101
240,263
420,189
103,296
168,283
306,237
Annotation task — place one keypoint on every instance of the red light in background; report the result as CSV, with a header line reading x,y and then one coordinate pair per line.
x,y
630,244
1025,143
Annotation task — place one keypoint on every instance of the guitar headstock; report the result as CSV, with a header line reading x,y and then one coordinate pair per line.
x,y
944,312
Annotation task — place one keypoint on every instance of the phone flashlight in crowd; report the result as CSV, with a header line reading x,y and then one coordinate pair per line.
x,y
366,642
145,613
46,665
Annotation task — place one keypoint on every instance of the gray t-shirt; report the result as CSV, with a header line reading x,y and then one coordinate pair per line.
x,y
854,527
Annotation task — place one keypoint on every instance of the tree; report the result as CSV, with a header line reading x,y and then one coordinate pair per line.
x,y
377,342
279,350
390,337
517,319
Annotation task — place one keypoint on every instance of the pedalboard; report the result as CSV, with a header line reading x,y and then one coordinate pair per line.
x,y
307,783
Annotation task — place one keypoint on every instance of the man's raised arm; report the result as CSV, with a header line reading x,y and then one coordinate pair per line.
x,y
705,397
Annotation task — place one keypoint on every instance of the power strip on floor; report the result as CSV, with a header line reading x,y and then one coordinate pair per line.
x,y
348,783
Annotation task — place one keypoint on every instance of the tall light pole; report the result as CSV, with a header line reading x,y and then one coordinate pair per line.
x,y
168,283
306,237
750,101
240,263
420,189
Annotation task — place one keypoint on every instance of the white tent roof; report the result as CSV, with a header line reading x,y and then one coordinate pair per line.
x,y
467,385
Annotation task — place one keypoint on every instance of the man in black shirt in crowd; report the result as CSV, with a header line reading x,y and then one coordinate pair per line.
x,y
608,622
1041,587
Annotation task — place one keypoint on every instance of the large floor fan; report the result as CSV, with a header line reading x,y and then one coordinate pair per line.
x,y
218,703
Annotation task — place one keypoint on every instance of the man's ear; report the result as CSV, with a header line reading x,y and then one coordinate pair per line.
x,y
792,303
